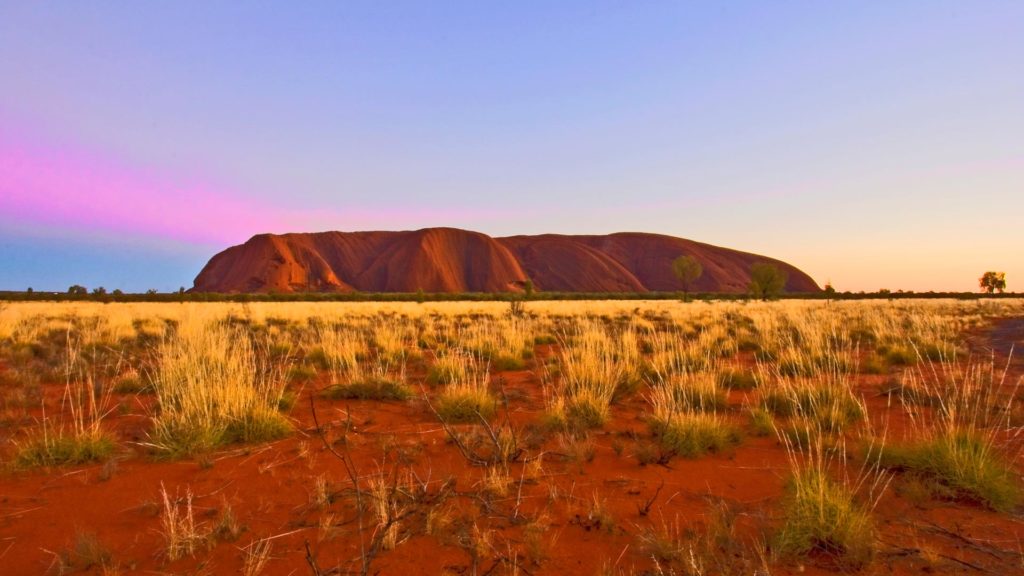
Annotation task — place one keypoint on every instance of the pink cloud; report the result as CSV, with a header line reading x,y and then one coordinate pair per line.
x,y
70,189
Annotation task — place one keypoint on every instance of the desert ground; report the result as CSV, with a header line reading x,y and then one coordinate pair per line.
x,y
591,438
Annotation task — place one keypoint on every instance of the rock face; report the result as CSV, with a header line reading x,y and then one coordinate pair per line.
x,y
452,260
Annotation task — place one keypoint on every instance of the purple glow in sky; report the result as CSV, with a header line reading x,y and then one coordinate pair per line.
x,y
59,186
872,144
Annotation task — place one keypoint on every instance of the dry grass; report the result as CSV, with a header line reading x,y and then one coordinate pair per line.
x,y
827,512
467,396
214,388
699,372
962,445
75,434
183,535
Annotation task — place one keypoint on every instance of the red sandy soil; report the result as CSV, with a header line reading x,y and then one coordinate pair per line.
x,y
452,260
268,487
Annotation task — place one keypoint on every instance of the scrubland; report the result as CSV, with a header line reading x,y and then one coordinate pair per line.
x,y
584,437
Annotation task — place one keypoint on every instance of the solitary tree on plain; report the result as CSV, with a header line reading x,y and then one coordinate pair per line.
x,y
766,280
688,270
992,282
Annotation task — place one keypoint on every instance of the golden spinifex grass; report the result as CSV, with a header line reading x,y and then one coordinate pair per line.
x,y
507,342
376,378
826,509
75,434
961,446
466,396
825,404
213,388
218,371
183,534
684,415
355,371
592,368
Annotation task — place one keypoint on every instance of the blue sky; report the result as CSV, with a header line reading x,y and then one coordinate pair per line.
x,y
870,144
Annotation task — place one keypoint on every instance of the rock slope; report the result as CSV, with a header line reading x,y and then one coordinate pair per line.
x,y
453,260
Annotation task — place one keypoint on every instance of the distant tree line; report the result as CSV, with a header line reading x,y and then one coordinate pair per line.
x,y
538,296
767,281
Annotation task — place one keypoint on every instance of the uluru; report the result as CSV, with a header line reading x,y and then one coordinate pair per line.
x,y
453,260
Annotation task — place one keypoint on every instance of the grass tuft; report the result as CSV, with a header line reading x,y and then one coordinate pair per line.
x,y
822,516
64,449
214,389
962,461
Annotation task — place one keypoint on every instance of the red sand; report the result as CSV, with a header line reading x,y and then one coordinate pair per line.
x,y
268,488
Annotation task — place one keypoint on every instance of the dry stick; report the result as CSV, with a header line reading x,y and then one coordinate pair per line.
x,y
354,477
311,560
466,452
969,542
646,508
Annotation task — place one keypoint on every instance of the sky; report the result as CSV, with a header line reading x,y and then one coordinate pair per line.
x,y
871,144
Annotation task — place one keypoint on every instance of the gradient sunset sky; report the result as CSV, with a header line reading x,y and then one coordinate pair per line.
x,y
873,144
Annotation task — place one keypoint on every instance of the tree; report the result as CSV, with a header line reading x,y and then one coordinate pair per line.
x,y
77,289
151,291
118,292
688,270
992,282
766,280
101,291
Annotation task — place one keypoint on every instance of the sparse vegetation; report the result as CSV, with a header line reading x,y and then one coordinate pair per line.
x,y
406,426
214,387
